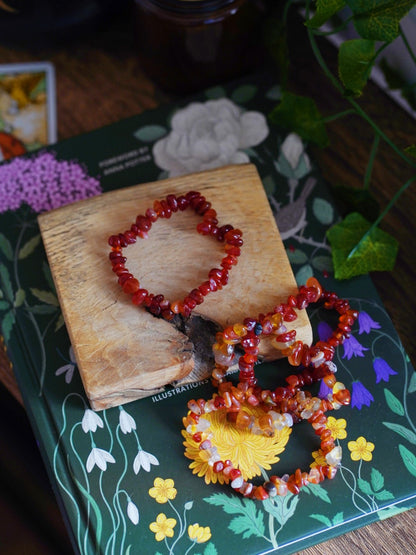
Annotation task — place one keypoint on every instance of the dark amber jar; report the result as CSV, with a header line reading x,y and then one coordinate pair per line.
x,y
186,45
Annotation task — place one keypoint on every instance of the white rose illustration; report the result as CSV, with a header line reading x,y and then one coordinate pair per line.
x,y
209,135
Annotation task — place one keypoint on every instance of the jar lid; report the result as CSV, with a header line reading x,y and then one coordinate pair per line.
x,y
191,6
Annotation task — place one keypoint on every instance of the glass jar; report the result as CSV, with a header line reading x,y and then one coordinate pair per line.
x,y
187,45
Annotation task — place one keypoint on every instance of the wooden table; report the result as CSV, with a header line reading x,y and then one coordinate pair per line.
x,y
99,81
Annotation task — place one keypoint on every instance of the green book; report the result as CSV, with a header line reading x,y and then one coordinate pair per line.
x,y
124,479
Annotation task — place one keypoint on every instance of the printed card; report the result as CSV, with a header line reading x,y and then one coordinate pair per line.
x,y
27,108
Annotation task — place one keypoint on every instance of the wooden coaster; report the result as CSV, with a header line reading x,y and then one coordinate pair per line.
x,y
125,353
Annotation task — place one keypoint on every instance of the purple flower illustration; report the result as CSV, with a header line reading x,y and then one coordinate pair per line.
x,y
382,369
360,395
43,182
324,331
324,390
366,323
352,348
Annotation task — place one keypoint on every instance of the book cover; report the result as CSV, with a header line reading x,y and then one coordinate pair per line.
x,y
125,480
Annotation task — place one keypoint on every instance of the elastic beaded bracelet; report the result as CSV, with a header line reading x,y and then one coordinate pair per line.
x,y
247,335
307,408
217,277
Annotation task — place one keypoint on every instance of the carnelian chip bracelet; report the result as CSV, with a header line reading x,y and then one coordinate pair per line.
x,y
283,406
158,305
308,408
247,335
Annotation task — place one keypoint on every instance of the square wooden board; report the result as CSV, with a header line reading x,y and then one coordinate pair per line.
x,y
123,352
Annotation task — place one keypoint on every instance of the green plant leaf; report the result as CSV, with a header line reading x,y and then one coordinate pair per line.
x,y
356,252
6,247
282,508
393,402
325,9
396,81
300,115
210,549
150,133
29,247
402,431
408,458
338,518
355,60
377,480
379,19
319,491
323,211
356,200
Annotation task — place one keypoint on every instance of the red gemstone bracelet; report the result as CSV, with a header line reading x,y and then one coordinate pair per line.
x,y
157,304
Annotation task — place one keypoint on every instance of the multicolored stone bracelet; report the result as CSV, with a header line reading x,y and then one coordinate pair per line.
x,y
308,408
247,336
283,406
157,304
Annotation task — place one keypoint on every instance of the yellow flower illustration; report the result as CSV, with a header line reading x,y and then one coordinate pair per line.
x,y
361,449
337,427
199,534
163,527
249,452
163,490
319,459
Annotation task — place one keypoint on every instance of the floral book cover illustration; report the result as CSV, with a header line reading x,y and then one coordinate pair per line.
x,y
131,479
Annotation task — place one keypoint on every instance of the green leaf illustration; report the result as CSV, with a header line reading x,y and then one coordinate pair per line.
x,y
379,19
384,495
282,508
355,251
215,92
318,491
324,10
409,459
6,284
393,403
402,431
355,60
7,324
48,276
296,256
150,133
6,247
391,511
304,274
210,549
42,309
323,211
46,297
377,480
29,247
244,94
249,521
274,93
300,115
338,518
269,185
364,486
4,305
412,383
322,518
322,263
19,298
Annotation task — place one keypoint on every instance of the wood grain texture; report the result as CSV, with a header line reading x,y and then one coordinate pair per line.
x,y
125,353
